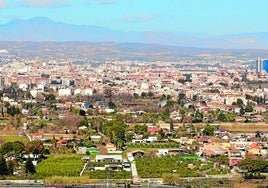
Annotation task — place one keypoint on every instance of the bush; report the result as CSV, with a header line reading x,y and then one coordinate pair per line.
x,y
251,175
213,172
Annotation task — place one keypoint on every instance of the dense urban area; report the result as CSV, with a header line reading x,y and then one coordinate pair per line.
x,y
137,118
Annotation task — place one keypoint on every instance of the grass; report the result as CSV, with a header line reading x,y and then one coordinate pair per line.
x,y
103,174
14,138
3,120
70,180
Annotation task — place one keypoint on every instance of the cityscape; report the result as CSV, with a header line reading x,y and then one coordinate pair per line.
x,y
88,103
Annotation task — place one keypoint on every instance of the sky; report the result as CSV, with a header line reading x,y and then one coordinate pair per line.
x,y
190,16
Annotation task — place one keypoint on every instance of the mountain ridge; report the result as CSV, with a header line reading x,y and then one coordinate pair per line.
x,y
40,29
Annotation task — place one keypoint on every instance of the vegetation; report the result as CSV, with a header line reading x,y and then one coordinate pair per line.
x,y
53,180
59,165
155,167
154,145
171,179
104,174
253,166
9,138
120,129
3,166
29,167
256,175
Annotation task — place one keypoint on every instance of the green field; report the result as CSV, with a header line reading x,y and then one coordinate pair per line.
x,y
155,167
14,138
59,165
104,174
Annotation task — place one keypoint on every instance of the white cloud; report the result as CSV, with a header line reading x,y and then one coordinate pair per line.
x,y
106,1
2,4
141,17
44,3
85,1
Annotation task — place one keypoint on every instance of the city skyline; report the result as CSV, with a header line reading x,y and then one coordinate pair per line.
x,y
205,17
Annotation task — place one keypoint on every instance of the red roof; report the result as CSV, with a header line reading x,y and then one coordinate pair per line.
x,y
153,130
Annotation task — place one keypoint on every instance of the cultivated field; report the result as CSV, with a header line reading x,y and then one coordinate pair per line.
x,y
240,127
13,138
59,165
245,127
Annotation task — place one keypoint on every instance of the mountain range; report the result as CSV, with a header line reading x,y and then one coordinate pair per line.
x,y
40,29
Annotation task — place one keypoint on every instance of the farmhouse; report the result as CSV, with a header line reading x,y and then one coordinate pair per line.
x,y
109,158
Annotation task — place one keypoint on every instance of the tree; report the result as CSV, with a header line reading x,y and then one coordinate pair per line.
x,y
136,95
129,136
221,159
249,108
83,122
50,97
82,112
13,111
198,117
209,130
182,112
248,96
140,129
3,166
221,117
239,102
168,97
116,133
181,99
35,147
28,95
10,168
253,165
91,132
242,111
111,105
170,104
7,147
115,130
143,95
18,147
171,126
150,94
29,167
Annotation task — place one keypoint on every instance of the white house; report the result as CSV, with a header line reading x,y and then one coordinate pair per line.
x,y
65,92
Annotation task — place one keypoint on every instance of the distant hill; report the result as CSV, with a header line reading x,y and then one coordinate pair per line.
x,y
43,29
112,51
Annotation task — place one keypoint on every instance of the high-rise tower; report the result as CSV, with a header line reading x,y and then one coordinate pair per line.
x,y
259,65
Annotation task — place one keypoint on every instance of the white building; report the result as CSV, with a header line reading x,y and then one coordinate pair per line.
x,y
65,92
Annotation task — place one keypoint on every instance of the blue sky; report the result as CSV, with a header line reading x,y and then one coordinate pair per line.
x,y
195,16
